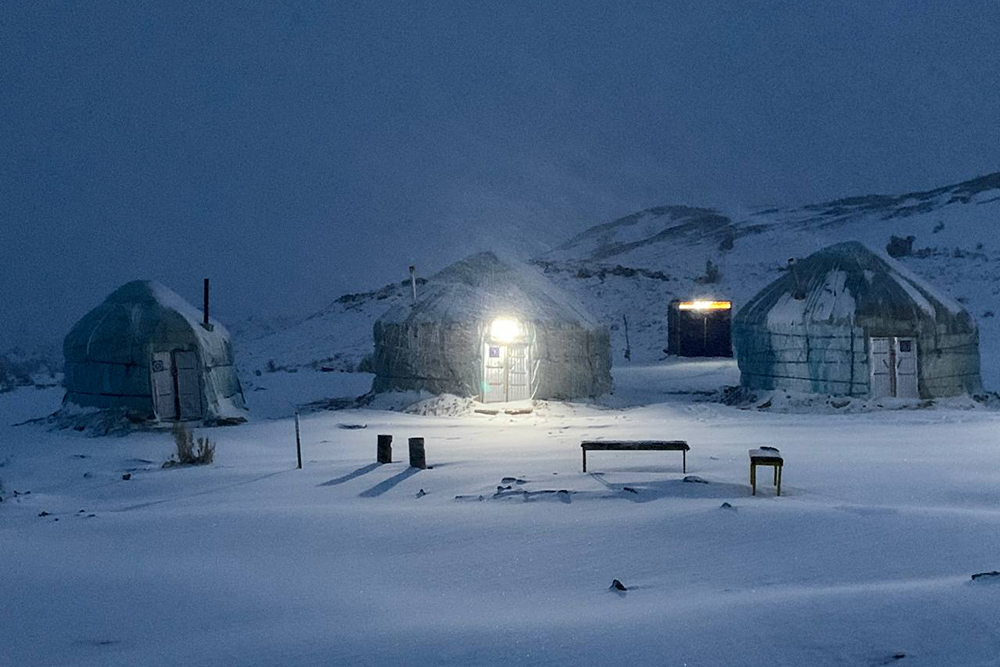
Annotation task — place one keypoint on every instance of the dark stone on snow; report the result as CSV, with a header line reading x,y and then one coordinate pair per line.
x,y
694,479
421,493
617,586
43,513
987,576
127,476
629,489
727,506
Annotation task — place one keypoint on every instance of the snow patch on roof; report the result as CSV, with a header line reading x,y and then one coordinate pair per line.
x,y
828,301
482,287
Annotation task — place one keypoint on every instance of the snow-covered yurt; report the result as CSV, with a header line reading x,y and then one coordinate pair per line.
x,y
495,330
148,352
847,320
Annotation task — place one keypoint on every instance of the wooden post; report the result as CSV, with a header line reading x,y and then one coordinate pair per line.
x,y
384,454
298,442
779,479
413,281
753,478
417,456
628,346
584,460
684,465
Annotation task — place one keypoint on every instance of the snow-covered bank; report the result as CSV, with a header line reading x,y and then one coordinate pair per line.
x,y
252,562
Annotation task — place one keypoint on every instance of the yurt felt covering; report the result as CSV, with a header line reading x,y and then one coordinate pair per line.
x,y
436,343
108,352
810,329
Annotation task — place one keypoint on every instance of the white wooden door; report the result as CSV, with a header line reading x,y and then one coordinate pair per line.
x,y
905,351
881,367
188,384
164,398
518,373
494,373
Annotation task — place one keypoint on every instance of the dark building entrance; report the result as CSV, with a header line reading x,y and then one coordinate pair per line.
x,y
699,328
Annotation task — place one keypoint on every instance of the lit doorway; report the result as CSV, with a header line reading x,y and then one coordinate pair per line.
x,y
507,364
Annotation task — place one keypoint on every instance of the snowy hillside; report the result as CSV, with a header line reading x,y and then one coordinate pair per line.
x,y
955,247
635,265
19,368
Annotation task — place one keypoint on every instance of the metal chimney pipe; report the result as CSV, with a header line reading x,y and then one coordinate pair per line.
x,y
205,309
413,281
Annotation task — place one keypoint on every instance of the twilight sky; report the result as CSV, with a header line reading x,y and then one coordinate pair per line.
x,y
294,151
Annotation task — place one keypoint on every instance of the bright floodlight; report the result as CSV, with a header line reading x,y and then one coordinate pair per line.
x,y
705,305
504,329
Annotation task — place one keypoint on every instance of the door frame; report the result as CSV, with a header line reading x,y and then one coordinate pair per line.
x,y
171,355
895,352
505,372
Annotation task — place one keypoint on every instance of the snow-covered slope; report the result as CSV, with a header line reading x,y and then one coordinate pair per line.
x,y
635,265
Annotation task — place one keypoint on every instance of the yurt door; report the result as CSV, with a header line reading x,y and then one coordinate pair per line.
x,y
176,385
164,396
506,373
188,385
906,368
893,363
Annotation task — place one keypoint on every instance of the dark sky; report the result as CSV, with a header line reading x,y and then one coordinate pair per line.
x,y
294,151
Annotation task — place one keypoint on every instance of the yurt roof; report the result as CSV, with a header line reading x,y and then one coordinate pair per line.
x,y
145,302
481,287
850,284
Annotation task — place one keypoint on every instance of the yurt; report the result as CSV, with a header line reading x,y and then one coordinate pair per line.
x,y
149,353
851,321
495,330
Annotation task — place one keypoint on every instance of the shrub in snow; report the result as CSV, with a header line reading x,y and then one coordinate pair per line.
x,y
189,450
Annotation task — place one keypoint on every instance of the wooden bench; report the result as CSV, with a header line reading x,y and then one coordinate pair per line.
x,y
766,456
635,446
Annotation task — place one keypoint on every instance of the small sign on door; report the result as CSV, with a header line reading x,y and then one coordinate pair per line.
x,y
494,352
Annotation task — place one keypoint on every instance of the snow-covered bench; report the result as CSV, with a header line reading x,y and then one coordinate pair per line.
x,y
766,456
635,446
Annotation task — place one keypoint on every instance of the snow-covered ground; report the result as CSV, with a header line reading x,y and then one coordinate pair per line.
x,y
866,556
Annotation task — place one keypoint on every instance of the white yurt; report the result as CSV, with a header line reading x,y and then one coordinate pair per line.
x,y
848,320
492,329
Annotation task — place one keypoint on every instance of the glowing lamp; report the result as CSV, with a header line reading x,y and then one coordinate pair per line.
x,y
705,305
504,329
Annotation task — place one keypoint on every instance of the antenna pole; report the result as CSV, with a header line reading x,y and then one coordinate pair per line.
x,y
206,304
413,281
